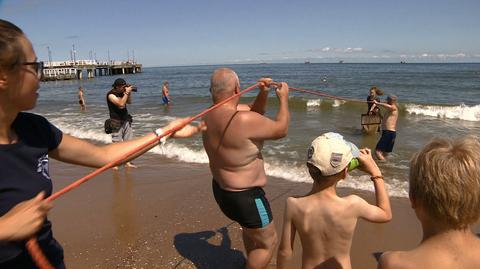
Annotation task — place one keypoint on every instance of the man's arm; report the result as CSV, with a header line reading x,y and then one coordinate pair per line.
x,y
259,127
81,152
382,211
385,105
121,102
285,249
260,103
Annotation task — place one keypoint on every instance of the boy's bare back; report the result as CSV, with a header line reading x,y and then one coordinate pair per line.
x,y
324,221
325,224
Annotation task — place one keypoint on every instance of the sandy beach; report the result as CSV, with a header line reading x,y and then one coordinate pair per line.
x,y
163,215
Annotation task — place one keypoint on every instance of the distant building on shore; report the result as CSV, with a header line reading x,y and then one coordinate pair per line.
x,y
65,70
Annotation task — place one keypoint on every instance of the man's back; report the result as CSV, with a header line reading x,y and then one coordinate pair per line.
x,y
325,224
235,158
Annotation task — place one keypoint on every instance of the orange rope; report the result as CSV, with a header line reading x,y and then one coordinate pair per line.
x,y
37,255
32,245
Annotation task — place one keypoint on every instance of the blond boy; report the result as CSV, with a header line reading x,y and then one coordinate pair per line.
x,y
324,221
445,195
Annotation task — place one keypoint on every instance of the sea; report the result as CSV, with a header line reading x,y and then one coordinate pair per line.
x,y
436,100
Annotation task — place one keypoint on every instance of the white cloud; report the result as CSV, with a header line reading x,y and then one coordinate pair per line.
x,y
350,50
336,50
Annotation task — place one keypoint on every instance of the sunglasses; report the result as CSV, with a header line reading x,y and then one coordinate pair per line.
x,y
38,67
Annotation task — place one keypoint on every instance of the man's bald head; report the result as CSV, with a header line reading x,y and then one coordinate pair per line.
x,y
223,81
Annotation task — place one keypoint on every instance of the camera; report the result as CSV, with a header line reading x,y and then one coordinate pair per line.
x,y
134,88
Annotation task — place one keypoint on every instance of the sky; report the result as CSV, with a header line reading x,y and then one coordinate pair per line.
x,y
192,32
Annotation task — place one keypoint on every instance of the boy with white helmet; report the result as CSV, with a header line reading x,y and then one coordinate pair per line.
x,y
325,221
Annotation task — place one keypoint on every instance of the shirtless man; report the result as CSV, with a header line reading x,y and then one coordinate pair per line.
x,y
233,140
165,93
324,221
81,100
389,127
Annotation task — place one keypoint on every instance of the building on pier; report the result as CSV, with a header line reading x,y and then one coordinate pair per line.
x,y
75,69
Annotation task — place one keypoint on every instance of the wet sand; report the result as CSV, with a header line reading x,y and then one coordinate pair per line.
x,y
163,215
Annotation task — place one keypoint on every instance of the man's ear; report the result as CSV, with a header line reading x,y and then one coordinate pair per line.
x,y
3,79
345,173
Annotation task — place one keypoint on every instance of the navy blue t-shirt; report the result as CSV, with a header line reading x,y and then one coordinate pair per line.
x,y
23,174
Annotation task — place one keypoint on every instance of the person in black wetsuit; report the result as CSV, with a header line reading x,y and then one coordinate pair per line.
x,y
374,93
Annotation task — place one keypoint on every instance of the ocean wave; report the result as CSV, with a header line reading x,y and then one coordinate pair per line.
x,y
288,170
298,173
181,152
314,102
337,103
461,112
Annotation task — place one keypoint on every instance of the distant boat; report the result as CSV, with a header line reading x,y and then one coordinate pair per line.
x,y
340,62
307,62
402,62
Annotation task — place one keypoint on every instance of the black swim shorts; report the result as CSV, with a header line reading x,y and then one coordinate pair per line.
x,y
250,208
386,142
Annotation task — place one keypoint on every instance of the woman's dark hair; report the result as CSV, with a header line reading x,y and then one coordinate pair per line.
x,y
11,51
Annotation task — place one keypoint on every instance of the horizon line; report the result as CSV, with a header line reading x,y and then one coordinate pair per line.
x,y
267,63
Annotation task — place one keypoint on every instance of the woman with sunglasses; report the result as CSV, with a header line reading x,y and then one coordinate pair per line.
x,y
26,142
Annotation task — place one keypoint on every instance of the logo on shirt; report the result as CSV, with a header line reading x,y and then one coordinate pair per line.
x,y
42,166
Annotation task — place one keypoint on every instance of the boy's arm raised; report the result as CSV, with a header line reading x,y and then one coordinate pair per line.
x,y
385,105
285,249
382,211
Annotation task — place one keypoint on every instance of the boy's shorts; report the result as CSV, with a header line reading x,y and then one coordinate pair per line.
x,y
386,142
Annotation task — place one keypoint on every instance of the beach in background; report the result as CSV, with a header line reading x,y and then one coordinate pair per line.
x,y
435,100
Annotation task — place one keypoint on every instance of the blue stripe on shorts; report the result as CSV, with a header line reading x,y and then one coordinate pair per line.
x,y
262,212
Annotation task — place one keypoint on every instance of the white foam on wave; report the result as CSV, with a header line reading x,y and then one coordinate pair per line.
x,y
181,153
91,134
291,171
314,102
462,112
337,103
298,173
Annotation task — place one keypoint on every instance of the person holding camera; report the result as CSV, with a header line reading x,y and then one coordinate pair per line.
x,y
120,121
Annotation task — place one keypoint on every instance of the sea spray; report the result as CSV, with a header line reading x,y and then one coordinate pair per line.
x,y
461,112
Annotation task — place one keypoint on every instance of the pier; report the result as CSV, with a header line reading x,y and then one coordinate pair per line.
x,y
76,69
